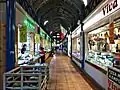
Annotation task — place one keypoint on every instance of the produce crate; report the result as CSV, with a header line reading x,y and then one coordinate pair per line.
x,y
28,77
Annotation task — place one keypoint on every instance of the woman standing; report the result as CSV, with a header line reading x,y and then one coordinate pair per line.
x,y
42,54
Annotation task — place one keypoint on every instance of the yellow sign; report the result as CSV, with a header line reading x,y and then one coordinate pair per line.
x,y
23,33
37,38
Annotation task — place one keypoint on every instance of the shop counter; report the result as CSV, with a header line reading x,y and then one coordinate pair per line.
x,y
98,74
97,64
28,60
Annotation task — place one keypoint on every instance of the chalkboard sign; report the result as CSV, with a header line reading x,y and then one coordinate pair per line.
x,y
113,79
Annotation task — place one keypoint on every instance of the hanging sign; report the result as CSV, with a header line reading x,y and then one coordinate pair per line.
x,y
113,79
61,35
37,38
111,32
23,33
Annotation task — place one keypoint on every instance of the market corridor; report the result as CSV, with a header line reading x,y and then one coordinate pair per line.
x,y
64,76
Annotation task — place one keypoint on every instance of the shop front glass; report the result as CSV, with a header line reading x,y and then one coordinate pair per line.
x,y
26,40
102,50
76,47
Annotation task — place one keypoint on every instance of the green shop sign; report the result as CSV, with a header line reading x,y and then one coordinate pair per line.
x,y
42,34
29,25
47,37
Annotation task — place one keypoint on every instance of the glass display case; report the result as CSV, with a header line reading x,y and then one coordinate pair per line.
x,y
101,51
76,54
101,59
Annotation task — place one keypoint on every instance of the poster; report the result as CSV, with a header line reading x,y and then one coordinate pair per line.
x,y
23,33
37,38
113,79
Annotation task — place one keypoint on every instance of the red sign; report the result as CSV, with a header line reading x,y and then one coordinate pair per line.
x,y
112,85
111,32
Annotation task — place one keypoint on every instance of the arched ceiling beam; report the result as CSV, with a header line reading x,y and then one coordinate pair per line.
x,y
51,15
66,22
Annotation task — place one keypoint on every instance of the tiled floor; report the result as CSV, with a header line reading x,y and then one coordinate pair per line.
x,y
64,76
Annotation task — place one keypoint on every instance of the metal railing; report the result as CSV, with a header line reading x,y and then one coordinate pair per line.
x,y
28,77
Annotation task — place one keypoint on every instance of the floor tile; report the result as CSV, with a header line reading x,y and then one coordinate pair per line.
x,y
64,76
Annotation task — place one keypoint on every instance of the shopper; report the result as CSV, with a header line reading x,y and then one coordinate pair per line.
x,y
23,49
42,54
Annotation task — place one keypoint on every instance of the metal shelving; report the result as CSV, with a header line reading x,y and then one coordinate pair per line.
x,y
28,77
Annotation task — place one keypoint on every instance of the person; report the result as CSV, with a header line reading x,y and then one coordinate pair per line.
x,y
106,47
23,49
42,54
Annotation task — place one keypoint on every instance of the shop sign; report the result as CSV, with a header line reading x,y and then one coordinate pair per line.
x,y
113,79
110,7
111,32
37,38
47,37
29,25
107,8
42,34
23,33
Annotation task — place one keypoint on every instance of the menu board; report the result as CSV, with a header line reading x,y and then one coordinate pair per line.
x,y
23,33
113,79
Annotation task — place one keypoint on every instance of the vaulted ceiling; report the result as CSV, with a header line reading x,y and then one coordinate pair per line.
x,y
58,12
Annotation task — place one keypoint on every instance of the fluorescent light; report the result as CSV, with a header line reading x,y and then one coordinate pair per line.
x,y
85,2
45,22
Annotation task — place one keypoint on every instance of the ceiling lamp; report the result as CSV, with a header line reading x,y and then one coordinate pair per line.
x,y
45,22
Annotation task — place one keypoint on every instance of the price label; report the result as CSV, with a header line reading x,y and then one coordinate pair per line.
x,y
23,33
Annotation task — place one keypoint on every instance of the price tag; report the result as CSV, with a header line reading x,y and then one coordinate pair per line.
x,y
23,33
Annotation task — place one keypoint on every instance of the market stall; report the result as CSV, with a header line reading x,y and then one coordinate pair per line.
x,y
26,36
76,46
102,41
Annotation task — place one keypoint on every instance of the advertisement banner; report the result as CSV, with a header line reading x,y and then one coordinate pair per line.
x,y
23,33
37,38
113,79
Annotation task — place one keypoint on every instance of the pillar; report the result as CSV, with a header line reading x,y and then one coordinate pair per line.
x,y
10,34
71,44
82,46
